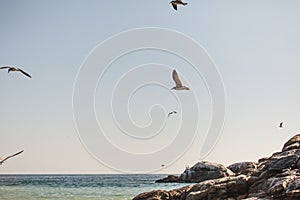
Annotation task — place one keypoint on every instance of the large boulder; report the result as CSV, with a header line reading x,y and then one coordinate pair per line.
x,y
277,163
223,188
199,172
246,168
293,143
202,171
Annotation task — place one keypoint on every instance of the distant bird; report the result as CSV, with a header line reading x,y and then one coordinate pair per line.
x,y
14,69
2,160
176,3
173,112
162,165
178,82
281,125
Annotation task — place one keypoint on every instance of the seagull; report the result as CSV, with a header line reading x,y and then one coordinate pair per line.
x,y
2,160
173,112
280,125
178,82
14,69
176,3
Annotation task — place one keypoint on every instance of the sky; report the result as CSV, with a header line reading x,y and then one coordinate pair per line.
x,y
253,44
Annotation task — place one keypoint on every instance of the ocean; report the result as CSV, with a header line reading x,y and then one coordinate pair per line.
x,y
103,187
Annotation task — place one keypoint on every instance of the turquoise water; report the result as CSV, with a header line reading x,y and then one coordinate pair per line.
x,y
108,187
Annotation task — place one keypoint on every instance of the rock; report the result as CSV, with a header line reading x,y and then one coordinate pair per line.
x,y
205,171
292,143
293,189
282,163
223,188
246,168
274,177
280,186
199,172
277,163
168,179
153,195
162,194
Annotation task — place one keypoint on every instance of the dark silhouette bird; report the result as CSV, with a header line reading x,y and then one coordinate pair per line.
x,y
15,69
173,112
178,83
2,160
176,3
162,165
281,125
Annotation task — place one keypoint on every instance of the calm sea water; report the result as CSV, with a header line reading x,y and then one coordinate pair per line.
x,y
108,187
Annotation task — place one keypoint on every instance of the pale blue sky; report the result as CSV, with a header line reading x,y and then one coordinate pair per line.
x,y
254,43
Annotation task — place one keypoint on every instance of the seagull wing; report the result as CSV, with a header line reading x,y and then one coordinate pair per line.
x,y
176,79
5,67
174,5
25,73
11,156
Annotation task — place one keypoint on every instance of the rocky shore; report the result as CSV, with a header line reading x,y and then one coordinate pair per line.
x,y
274,177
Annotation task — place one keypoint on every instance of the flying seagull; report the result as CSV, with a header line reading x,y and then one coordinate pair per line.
x,y
280,125
178,82
176,3
173,112
2,160
14,69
